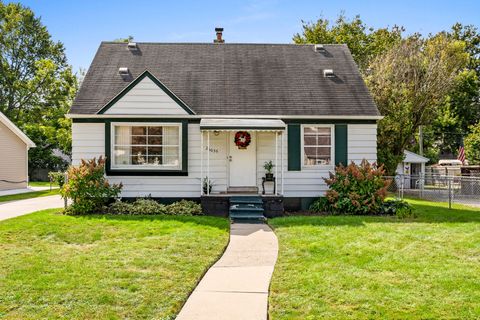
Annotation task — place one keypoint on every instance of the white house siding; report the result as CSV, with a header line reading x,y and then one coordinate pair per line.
x,y
88,142
146,98
13,160
362,142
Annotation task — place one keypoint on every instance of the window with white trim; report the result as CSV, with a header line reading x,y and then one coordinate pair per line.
x,y
146,146
317,145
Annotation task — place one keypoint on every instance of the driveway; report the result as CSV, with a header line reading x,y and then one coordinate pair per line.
x,y
20,207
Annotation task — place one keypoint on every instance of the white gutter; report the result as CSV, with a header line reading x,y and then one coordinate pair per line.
x,y
253,116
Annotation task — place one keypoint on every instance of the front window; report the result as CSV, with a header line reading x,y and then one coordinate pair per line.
x,y
317,145
146,146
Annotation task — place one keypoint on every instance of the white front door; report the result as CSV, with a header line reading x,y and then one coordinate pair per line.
x,y
243,163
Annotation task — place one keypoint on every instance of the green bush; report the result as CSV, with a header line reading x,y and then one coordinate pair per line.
x,y
57,177
88,188
185,208
399,208
152,207
120,207
320,205
355,189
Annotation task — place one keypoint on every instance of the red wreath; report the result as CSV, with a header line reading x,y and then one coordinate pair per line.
x,y
242,139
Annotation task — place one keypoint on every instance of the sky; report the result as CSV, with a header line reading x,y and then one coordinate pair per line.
x,y
82,24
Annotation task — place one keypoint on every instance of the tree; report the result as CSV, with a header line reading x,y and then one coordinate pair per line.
x,y
408,83
461,109
472,145
37,85
364,42
126,40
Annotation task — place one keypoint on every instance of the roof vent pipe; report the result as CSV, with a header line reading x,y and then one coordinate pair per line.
x,y
219,32
132,45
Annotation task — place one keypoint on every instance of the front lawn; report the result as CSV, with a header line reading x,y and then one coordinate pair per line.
x,y
353,267
103,267
30,195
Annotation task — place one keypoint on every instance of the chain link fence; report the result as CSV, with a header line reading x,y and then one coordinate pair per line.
x,y
451,189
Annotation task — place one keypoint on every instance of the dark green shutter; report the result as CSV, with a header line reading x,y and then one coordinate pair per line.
x,y
341,150
294,147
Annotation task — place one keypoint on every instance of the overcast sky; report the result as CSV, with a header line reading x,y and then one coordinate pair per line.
x,y
82,25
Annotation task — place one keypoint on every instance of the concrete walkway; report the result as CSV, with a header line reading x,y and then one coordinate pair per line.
x,y
236,287
20,207
25,190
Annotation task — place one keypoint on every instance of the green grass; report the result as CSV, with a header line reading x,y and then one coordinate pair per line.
x,y
103,267
29,195
41,184
352,267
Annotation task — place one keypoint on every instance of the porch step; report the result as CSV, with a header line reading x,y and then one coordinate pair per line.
x,y
246,208
253,190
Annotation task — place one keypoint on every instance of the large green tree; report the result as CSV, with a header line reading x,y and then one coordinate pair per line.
x,y
37,85
472,144
461,109
409,82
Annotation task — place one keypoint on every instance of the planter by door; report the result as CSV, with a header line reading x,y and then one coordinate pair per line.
x,y
243,171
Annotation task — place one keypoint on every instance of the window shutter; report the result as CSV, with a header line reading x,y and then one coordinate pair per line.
x,y
341,149
294,147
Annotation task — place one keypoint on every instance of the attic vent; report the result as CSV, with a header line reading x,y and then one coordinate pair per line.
x,y
328,73
319,48
132,45
124,72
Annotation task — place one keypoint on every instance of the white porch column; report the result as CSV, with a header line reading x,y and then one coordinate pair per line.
x,y
282,151
208,162
201,162
276,162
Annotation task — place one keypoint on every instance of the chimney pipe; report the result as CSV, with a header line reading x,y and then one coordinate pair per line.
x,y
219,32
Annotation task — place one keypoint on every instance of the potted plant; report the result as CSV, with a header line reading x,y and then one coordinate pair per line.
x,y
268,166
207,185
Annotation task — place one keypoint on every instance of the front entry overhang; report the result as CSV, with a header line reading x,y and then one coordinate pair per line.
x,y
242,124
214,125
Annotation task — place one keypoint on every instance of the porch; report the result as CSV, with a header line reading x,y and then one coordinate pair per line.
x,y
232,159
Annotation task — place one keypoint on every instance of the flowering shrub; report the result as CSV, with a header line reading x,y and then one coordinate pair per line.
x,y
88,188
354,189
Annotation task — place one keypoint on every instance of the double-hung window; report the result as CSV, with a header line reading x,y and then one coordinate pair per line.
x,y
146,146
317,145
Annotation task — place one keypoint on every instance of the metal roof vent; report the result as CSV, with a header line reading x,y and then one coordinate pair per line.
x,y
319,48
328,73
132,45
124,72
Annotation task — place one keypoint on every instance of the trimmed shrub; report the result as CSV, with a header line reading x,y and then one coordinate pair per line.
x,y
320,205
152,207
399,208
88,188
355,189
147,207
185,208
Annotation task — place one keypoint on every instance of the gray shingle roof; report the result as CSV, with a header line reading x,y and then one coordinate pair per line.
x,y
234,79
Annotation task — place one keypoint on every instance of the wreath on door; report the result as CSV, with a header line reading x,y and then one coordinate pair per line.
x,y
242,139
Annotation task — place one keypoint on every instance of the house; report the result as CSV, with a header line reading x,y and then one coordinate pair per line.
x,y
413,169
14,145
171,116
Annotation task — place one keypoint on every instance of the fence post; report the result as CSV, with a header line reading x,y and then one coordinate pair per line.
x,y
449,193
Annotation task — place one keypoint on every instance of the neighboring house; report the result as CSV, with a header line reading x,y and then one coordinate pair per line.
x,y
168,115
413,168
14,145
